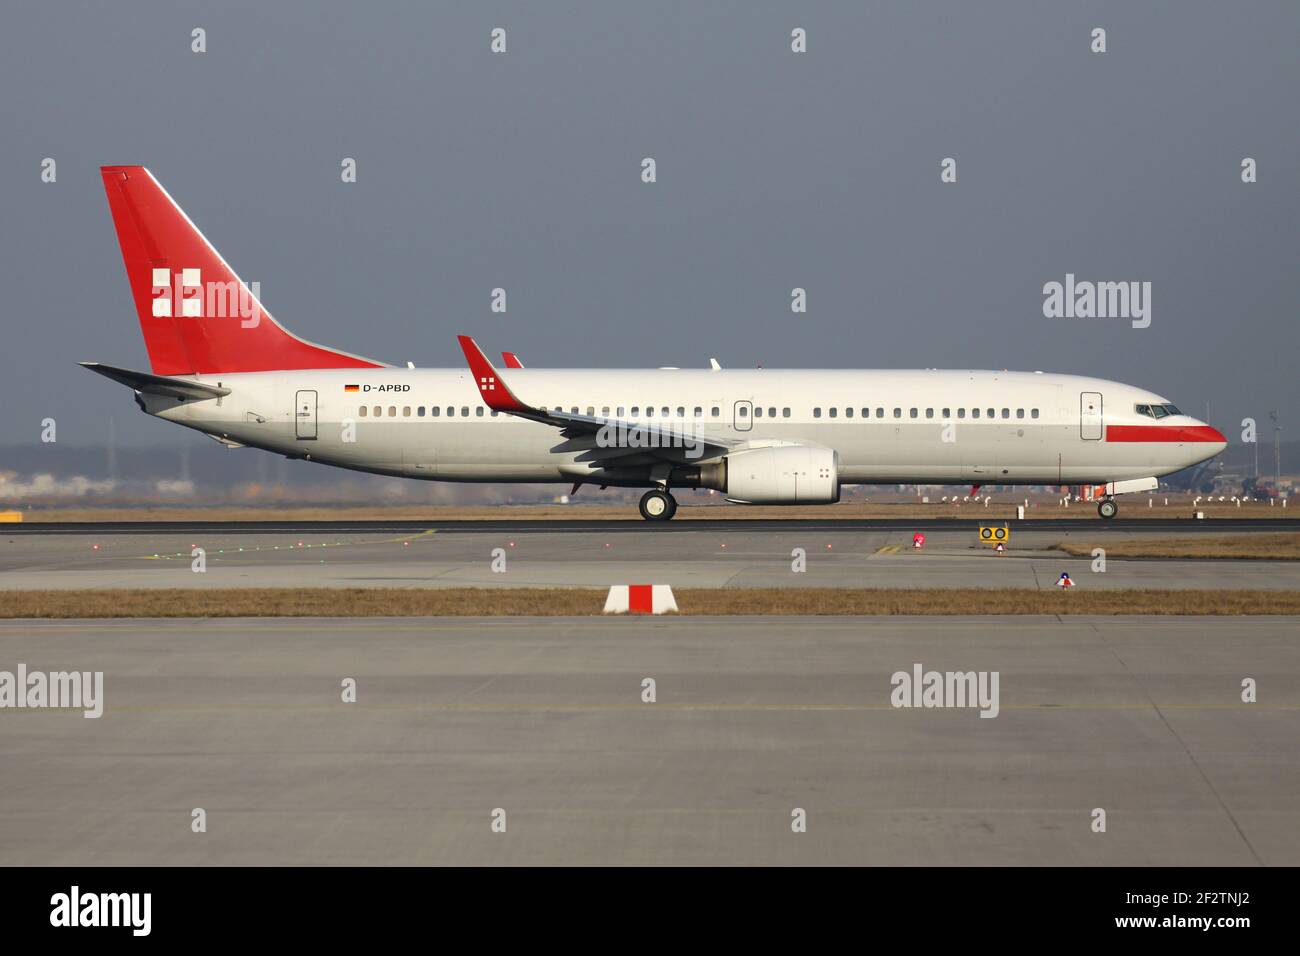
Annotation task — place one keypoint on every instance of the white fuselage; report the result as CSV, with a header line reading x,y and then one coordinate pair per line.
x,y
924,426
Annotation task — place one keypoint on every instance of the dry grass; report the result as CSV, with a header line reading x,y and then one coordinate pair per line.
x,y
691,510
497,602
1273,547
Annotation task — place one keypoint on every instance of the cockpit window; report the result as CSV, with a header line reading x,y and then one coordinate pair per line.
x,y
1156,411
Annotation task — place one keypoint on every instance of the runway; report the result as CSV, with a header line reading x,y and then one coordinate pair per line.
x,y
725,555
543,720
507,525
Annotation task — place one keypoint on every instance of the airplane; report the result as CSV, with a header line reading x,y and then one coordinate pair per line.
x,y
220,364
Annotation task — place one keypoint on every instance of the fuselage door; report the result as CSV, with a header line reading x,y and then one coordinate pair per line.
x,y
305,416
743,416
1090,416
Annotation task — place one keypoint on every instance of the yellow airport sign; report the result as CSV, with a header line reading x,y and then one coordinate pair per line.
x,y
11,517
995,535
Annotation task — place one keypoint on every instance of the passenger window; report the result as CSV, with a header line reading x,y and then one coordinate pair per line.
x,y
785,413
744,412
929,413
817,413
699,412
406,411
961,413
495,413
591,411
834,412
1033,413
649,411
681,411
636,411
464,411
898,413
362,411
392,411
716,411
1006,413
604,410
866,413
379,410
620,411
420,411
1020,413
434,410
911,413
974,413
992,413
478,412
947,413
880,413
848,413
451,411
574,409
664,411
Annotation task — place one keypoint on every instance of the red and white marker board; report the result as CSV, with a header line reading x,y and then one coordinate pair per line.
x,y
640,599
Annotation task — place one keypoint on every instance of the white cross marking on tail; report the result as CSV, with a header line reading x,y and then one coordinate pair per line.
x,y
189,286
487,384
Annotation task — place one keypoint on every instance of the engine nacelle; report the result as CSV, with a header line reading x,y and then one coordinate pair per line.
x,y
783,475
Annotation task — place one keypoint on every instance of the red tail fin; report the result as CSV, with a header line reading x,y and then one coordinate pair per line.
x,y
196,314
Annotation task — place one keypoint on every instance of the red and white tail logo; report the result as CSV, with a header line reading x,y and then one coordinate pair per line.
x,y
193,310
184,287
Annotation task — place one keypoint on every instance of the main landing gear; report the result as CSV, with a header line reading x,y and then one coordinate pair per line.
x,y
658,505
1107,508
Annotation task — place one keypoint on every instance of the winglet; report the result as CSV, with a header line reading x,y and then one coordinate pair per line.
x,y
511,360
495,393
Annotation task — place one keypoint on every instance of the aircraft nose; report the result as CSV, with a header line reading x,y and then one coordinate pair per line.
x,y
1212,436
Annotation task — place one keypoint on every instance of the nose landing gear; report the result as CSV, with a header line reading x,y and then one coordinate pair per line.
x,y
658,505
1107,508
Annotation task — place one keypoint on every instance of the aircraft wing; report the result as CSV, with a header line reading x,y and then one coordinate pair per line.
x,y
662,440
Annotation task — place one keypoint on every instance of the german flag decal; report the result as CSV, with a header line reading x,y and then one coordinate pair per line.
x,y
351,388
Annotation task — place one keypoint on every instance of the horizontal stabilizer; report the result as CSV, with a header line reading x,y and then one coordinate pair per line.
x,y
158,384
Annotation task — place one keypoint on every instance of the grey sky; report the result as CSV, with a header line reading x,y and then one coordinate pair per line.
x,y
775,170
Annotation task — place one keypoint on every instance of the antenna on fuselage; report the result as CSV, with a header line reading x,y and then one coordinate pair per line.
x,y
713,364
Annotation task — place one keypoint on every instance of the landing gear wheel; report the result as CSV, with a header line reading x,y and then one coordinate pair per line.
x,y
658,505
1108,508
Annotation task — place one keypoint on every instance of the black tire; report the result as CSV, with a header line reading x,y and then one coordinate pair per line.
x,y
658,505
1107,509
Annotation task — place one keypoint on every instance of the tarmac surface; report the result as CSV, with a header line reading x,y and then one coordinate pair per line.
x,y
1165,526
701,554
753,719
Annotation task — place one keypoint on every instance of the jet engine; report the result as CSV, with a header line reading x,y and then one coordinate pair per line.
x,y
779,475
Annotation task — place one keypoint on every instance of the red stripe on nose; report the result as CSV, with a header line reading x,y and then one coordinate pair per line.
x,y
1164,433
